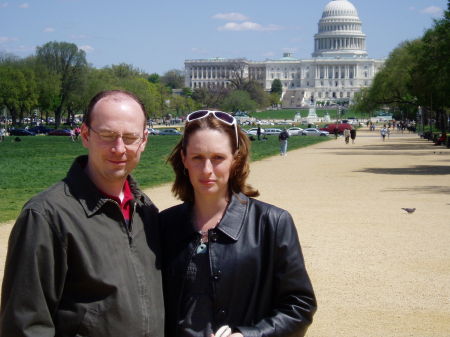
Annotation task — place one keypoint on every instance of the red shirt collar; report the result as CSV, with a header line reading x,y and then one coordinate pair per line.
x,y
124,204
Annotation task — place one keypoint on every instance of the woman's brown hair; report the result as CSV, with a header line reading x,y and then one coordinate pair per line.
x,y
240,169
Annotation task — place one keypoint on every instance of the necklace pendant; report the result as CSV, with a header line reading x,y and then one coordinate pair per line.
x,y
201,248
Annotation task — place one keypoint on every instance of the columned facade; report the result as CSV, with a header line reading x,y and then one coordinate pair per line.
x,y
339,66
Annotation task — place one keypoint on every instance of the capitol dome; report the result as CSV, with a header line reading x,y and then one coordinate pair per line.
x,y
340,34
339,8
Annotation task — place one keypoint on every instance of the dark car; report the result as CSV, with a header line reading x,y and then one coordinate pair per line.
x,y
59,132
21,132
40,129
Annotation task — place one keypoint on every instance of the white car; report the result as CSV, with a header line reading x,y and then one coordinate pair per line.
x,y
272,131
314,132
263,122
152,131
253,131
169,132
294,131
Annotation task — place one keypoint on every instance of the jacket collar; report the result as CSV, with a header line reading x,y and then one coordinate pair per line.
x,y
83,189
233,220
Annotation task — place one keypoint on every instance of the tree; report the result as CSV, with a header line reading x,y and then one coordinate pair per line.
x,y
209,97
178,103
48,87
417,73
69,64
124,70
237,70
257,93
277,87
154,78
174,79
12,89
431,74
238,100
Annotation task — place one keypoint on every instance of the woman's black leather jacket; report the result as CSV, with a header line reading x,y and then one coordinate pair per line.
x,y
259,282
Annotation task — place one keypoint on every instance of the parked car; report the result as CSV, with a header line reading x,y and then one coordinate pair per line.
x,y
59,132
169,132
152,131
294,131
314,132
253,131
21,132
40,129
272,131
341,127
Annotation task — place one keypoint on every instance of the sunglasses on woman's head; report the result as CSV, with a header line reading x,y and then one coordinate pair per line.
x,y
222,116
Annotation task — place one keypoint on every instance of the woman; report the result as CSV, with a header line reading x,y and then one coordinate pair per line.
x,y
228,259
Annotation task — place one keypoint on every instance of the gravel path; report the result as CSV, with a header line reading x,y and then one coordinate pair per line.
x,y
377,270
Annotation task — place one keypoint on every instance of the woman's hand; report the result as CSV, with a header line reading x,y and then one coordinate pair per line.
x,y
236,334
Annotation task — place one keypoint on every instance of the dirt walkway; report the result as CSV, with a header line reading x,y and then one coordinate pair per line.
x,y
377,270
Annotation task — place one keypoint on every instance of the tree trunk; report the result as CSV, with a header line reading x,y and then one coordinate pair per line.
x,y
58,113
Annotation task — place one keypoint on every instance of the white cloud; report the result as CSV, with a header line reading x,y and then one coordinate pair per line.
x,y
230,16
49,30
24,5
3,4
5,39
86,48
248,25
432,10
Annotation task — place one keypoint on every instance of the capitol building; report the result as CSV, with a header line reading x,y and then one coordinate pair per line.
x,y
339,66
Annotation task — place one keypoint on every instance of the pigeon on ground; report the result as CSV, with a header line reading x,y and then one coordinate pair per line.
x,y
409,210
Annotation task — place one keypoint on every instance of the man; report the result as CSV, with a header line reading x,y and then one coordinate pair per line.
x,y
82,255
347,136
283,138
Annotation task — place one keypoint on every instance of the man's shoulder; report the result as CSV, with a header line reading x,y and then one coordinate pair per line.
x,y
50,198
174,211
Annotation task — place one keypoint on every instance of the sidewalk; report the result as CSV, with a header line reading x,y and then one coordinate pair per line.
x,y
377,270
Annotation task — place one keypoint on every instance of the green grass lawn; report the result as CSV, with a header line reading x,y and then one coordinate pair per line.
x,y
35,163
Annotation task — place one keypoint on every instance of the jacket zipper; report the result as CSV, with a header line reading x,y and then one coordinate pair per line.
x,y
124,223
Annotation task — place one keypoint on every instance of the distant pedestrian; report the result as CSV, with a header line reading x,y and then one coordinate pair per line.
x,y
383,132
336,132
283,138
258,132
2,134
347,136
353,134
77,132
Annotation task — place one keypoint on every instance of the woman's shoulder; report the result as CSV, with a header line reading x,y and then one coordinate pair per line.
x,y
265,207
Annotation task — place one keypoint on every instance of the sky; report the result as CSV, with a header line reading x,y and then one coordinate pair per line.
x,y
158,36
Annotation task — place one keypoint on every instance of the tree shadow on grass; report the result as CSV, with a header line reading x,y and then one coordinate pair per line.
x,y
414,170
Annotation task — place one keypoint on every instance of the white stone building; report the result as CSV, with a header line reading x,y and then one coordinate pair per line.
x,y
339,66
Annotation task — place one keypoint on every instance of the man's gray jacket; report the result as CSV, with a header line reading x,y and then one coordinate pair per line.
x,y
74,268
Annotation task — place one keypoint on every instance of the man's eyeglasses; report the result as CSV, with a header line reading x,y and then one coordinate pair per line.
x,y
222,116
111,136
